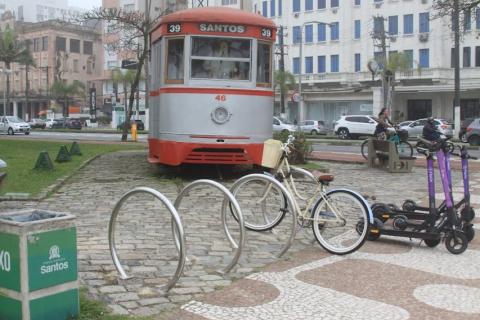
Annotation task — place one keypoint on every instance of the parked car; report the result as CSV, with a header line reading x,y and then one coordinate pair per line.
x,y
416,128
49,123
462,133
71,123
11,125
282,125
140,125
313,127
37,123
354,126
473,133
58,123
404,124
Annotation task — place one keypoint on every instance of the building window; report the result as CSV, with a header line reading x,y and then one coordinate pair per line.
x,y
308,5
272,8
296,65
61,44
322,4
424,58
334,63
357,2
74,45
408,24
466,57
409,56
424,21
75,65
321,64
280,9
309,33
37,45
322,32
477,56
45,43
88,47
393,25
308,64
334,31
357,62
357,30
296,5
378,26
334,3
296,34
477,18
467,20
228,2
264,9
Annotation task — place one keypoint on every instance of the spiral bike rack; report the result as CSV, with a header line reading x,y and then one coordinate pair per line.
x,y
290,201
176,226
228,198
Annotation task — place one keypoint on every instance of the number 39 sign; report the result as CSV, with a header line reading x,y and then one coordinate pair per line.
x,y
174,28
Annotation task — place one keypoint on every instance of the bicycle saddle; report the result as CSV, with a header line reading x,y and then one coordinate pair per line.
x,y
322,178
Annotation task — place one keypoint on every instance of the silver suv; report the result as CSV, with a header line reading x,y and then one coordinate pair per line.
x,y
355,126
473,133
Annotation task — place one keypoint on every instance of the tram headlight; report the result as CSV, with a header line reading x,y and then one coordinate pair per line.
x,y
220,115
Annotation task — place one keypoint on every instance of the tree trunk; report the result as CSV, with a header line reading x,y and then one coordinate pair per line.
x,y
27,88
126,123
7,65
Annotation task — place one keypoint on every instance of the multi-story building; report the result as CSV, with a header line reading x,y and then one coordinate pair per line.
x,y
337,44
37,11
62,52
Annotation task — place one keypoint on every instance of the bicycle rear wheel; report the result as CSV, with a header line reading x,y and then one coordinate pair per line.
x,y
263,204
340,221
404,149
364,149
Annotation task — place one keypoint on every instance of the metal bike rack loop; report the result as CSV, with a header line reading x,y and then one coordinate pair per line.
x,y
227,198
286,193
176,225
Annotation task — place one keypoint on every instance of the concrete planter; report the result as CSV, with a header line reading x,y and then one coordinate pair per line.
x,y
38,266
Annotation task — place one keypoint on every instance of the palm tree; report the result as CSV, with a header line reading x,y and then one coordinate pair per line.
x,y
27,60
63,91
285,80
126,79
11,50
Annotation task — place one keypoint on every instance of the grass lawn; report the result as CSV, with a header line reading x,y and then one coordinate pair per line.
x,y
21,155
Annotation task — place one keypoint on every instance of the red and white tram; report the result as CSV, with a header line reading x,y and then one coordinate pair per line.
x,y
211,98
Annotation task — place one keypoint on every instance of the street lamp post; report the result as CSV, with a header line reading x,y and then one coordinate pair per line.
x,y
300,101
6,72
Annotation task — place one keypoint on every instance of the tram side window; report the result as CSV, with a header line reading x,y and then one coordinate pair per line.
x,y
220,58
175,61
264,64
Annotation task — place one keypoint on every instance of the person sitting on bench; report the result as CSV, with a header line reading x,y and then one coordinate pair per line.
x,y
383,125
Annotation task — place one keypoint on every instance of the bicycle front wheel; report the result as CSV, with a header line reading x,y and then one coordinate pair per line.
x,y
365,149
340,221
263,204
404,149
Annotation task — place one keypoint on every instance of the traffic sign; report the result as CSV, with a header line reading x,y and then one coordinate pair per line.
x,y
296,97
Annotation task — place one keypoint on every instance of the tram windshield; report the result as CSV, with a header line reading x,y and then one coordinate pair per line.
x,y
220,58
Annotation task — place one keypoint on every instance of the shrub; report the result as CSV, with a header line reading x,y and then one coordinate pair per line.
x,y
301,147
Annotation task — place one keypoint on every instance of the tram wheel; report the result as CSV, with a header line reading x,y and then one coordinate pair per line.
x,y
456,243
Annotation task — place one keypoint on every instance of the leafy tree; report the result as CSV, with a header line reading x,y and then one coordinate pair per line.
x,y
126,79
285,81
64,91
12,50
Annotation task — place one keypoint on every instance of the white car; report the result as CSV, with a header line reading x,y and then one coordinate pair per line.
x,y
416,128
11,125
49,123
282,125
313,127
355,126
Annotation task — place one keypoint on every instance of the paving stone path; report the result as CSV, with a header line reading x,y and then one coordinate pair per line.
x,y
261,282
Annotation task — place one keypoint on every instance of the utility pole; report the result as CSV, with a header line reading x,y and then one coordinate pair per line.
x,y
456,64
282,69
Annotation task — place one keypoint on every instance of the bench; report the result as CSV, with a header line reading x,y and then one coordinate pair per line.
x,y
383,154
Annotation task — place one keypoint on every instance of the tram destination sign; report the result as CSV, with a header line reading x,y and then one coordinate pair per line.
x,y
226,28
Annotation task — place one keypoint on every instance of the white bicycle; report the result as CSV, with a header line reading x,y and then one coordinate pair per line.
x,y
340,218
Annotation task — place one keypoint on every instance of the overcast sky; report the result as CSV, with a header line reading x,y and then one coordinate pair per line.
x,y
87,4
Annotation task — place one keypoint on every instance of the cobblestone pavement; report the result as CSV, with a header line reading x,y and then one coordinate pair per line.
x,y
387,279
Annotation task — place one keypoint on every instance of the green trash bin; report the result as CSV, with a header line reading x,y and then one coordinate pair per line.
x,y
38,266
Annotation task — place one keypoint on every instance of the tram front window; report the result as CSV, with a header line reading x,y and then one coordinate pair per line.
x,y
220,58
175,60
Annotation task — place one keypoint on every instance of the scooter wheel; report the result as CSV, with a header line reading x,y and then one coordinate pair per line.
x,y
393,206
468,214
409,205
432,243
380,210
469,232
375,230
456,242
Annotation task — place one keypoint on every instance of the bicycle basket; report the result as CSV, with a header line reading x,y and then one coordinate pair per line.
x,y
272,152
403,135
